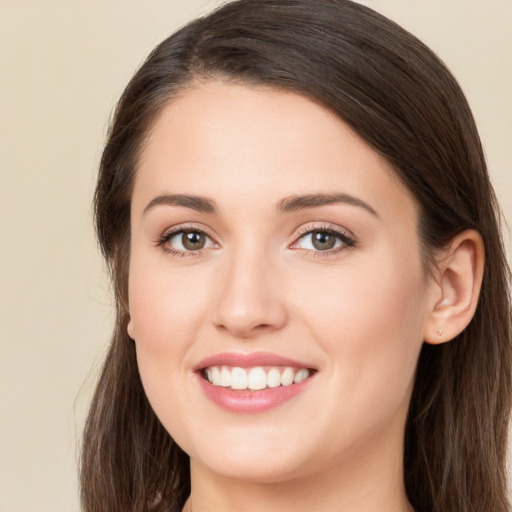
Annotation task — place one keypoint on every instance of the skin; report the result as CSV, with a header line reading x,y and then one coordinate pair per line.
x,y
358,316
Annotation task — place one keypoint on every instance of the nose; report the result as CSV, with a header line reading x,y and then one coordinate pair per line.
x,y
250,301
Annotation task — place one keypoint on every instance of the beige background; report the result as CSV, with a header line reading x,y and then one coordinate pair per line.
x,y
62,66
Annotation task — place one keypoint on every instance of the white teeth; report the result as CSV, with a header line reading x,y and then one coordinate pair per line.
x,y
256,378
238,378
301,375
225,377
273,378
215,376
287,377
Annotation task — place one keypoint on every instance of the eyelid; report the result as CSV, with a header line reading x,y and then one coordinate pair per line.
x,y
172,231
187,227
323,226
347,238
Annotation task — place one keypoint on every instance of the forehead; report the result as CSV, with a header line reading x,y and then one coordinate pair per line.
x,y
239,143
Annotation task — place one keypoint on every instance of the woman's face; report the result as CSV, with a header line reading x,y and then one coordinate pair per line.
x,y
271,244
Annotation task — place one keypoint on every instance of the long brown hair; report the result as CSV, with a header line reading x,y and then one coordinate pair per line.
x,y
399,97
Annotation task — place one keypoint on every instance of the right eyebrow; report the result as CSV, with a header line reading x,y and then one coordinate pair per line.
x,y
198,203
303,202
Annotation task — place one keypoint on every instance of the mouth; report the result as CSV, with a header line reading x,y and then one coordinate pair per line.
x,y
251,383
254,378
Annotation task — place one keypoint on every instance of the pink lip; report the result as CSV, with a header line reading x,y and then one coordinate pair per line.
x,y
248,360
250,401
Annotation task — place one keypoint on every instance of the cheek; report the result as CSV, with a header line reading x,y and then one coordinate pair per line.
x,y
166,311
165,307
359,299
369,320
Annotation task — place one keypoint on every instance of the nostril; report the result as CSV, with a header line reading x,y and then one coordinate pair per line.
x,y
245,330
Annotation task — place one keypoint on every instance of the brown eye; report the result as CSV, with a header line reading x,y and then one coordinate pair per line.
x,y
326,240
193,240
322,240
186,240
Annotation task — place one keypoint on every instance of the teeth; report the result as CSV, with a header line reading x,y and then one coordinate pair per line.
x,y
225,377
216,376
238,379
301,375
255,378
287,377
273,378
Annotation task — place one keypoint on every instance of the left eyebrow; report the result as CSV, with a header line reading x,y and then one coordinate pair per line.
x,y
198,203
294,203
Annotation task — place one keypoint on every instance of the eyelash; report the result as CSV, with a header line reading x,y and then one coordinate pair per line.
x,y
168,235
347,242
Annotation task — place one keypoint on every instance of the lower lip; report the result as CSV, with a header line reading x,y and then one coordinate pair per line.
x,y
251,401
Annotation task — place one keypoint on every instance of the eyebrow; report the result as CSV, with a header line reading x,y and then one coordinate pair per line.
x,y
302,202
286,205
200,204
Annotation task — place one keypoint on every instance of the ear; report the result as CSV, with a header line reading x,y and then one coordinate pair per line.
x,y
456,287
129,329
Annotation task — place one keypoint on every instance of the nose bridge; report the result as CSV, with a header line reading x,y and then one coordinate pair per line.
x,y
249,301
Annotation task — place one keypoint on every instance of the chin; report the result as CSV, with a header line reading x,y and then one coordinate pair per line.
x,y
266,459
260,470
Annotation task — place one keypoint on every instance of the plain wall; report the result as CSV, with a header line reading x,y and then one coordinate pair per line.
x,y
63,64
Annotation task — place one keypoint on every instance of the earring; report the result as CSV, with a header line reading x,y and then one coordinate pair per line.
x,y
439,332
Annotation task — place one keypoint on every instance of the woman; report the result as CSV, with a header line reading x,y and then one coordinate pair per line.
x,y
312,305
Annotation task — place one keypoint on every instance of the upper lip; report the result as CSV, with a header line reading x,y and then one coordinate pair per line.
x,y
248,360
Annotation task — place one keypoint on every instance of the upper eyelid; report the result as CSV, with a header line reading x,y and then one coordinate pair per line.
x,y
298,232
186,227
163,239
308,228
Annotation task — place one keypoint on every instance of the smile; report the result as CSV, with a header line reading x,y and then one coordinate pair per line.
x,y
256,378
252,383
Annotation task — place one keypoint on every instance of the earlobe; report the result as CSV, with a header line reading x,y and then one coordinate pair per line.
x,y
457,288
129,329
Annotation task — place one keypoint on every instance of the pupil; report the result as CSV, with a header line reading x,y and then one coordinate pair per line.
x,y
323,241
193,240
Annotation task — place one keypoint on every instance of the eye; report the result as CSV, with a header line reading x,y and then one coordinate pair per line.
x,y
186,240
327,240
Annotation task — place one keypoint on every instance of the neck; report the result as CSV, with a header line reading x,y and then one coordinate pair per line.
x,y
370,481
